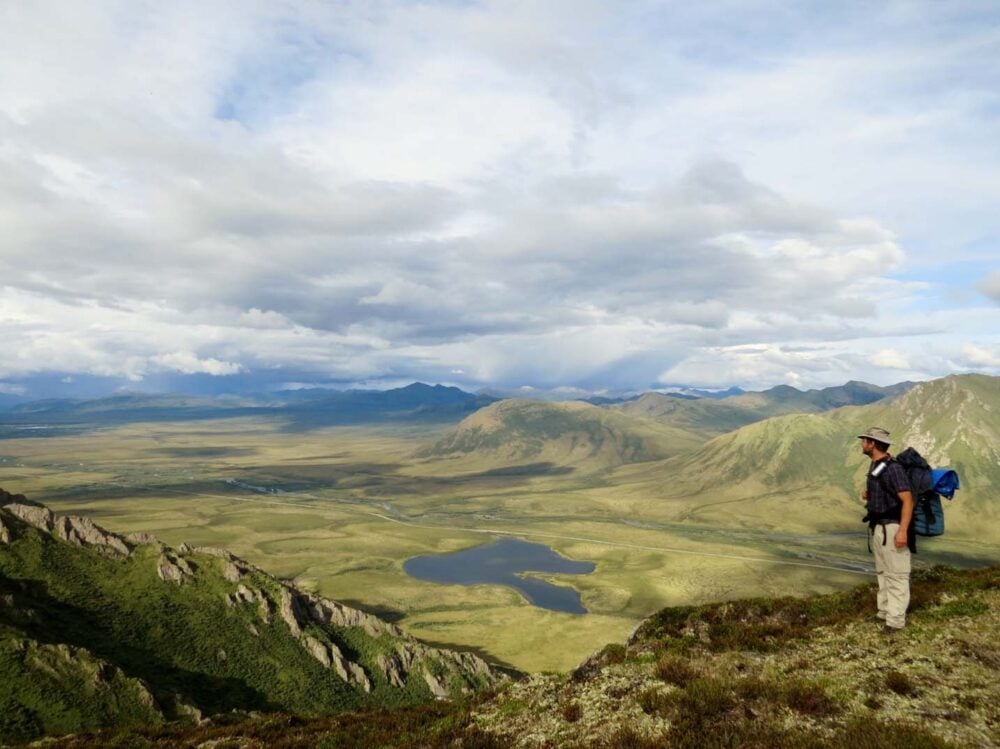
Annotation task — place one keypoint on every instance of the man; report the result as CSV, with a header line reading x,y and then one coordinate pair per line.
x,y
890,510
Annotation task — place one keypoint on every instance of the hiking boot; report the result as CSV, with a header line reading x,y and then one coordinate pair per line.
x,y
877,618
889,631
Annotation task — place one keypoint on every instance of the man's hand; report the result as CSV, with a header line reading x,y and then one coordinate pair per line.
x,y
864,496
900,538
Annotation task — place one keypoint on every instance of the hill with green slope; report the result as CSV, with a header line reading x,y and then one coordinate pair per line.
x,y
711,417
805,470
98,629
570,433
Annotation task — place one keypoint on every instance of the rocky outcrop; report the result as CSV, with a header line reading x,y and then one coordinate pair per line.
x,y
330,612
291,612
333,658
298,610
358,676
212,551
435,685
83,532
265,611
143,539
319,651
392,670
4,533
173,569
244,594
39,517
78,531
233,572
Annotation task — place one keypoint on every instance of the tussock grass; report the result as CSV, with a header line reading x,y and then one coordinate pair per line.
x,y
900,683
675,670
571,712
434,726
769,624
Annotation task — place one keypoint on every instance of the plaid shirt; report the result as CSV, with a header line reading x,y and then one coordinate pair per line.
x,y
884,489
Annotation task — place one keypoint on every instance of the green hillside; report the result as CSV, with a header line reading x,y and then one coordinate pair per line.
x,y
805,470
98,629
711,417
796,673
569,433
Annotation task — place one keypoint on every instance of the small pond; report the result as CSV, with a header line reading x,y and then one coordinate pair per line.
x,y
506,562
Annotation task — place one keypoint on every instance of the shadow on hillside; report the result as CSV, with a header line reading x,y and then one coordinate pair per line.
x,y
375,480
527,469
51,621
204,452
298,422
385,613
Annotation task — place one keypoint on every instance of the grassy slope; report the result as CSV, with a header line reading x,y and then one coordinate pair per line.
x,y
812,672
711,417
571,433
804,471
87,640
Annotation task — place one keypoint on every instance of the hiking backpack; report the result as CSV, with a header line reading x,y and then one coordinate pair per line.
x,y
927,485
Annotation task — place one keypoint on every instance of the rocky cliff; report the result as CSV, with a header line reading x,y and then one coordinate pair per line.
x,y
168,632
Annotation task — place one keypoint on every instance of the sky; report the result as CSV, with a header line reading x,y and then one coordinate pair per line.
x,y
570,195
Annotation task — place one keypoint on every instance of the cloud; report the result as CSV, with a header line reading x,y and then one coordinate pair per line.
x,y
892,359
187,362
758,366
979,357
990,286
567,194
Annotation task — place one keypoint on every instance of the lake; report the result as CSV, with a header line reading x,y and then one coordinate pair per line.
x,y
506,562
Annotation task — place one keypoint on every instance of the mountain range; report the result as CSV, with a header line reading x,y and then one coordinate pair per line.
x,y
302,409
416,402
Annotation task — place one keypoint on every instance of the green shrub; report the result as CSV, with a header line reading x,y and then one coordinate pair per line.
x,y
675,670
755,688
963,607
629,738
808,698
868,733
613,653
18,723
872,702
654,702
900,683
571,712
705,700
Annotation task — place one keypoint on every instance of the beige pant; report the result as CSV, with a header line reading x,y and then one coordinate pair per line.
x,y
892,568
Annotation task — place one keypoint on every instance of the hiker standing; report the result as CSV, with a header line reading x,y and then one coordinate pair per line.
x,y
890,510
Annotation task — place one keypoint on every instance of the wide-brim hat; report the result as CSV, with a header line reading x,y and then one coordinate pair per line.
x,y
878,434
